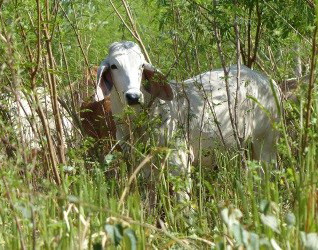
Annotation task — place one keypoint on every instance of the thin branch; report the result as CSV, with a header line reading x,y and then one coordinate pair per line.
x,y
39,108
131,178
78,38
293,28
249,38
257,35
310,89
133,24
226,80
49,66
123,21
133,28
238,93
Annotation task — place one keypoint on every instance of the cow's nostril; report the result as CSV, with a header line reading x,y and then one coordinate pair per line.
x,y
132,99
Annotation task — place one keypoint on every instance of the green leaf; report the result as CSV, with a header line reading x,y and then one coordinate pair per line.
x,y
290,219
115,232
132,238
310,240
109,158
264,206
254,242
270,221
275,244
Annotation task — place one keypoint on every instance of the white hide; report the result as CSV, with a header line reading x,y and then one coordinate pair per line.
x,y
195,101
200,97
129,62
26,121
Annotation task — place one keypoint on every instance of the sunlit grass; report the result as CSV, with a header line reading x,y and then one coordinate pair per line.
x,y
100,203
76,214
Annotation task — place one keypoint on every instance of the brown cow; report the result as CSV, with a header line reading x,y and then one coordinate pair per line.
x,y
97,119
96,116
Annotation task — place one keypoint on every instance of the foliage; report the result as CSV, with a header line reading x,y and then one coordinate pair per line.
x,y
50,202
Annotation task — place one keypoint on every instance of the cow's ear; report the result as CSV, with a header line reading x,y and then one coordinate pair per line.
x,y
157,85
104,82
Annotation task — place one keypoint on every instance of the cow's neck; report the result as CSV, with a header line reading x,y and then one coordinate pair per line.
x,y
122,126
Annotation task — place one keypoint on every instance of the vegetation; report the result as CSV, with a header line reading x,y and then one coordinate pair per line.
x,y
67,198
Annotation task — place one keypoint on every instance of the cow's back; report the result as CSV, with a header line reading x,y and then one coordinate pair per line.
x,y
201,107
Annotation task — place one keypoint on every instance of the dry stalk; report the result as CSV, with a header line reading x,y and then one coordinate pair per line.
x,y
133,29
131,178
78,38
310,90
16,82
34,71
239,138
50,66
226,80
39,110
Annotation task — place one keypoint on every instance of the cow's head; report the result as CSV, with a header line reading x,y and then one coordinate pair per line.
x,y
123,71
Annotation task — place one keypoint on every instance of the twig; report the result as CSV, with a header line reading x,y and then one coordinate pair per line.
x,y
133,24
68,74
133,28
238,93
123,21
238,74
293,28
131,178
39,108
226,76
53,89
310,89
252,59
78,38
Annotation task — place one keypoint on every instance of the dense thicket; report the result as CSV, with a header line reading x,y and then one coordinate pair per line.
x,y
60,194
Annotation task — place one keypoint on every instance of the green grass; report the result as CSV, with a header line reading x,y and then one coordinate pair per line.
x,y
226,201
256,206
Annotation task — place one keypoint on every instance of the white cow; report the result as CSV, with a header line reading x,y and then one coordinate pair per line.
x,y
198,105
25,120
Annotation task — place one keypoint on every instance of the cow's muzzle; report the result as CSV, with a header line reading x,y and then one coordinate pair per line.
x,y
133,98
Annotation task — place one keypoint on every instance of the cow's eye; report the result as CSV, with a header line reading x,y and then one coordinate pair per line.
x,y
113,66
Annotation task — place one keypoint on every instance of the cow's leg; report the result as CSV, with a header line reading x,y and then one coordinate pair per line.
x,y
180,161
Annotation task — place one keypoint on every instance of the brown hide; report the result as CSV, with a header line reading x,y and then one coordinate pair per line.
x,y
96,117
97,120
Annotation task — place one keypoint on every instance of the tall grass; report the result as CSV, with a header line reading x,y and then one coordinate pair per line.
x,y
68,199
